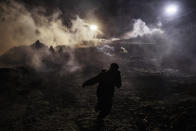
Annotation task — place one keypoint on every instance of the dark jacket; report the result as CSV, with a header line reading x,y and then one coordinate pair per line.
x,y
107,81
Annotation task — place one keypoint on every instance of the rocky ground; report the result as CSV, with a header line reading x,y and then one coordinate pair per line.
x,y
32,101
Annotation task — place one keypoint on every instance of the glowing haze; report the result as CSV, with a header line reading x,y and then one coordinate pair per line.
x,y
22,27
140,29
93,27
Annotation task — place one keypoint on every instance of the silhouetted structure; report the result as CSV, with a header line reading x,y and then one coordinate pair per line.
x,y
107,80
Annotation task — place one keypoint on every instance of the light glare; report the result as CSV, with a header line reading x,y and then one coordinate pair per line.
x,y
93,27
171,9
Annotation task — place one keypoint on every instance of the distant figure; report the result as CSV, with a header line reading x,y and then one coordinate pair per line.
x,y
107,80
38,45
51,49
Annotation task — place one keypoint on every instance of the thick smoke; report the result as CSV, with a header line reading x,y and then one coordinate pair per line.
x,y
107,50
140,29
21,27
123,50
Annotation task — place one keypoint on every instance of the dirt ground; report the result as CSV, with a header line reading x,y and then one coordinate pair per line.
x,y
48,102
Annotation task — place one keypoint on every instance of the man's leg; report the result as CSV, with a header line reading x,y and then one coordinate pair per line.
x,y
106,106
99,104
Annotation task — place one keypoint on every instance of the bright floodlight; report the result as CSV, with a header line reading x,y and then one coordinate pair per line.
x,y
171,10
93,27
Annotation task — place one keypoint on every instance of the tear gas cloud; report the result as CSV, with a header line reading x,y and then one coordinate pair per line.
x,y
124,50
106,49
140,29
20,26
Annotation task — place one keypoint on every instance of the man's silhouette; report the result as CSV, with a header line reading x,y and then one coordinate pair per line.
x,y
107,80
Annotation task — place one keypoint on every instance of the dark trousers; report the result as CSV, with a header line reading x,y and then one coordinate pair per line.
x,y
104,106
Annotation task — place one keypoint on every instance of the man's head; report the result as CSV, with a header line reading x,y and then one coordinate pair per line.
x,y
114,66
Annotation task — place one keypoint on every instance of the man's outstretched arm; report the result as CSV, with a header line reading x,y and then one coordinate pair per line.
x,y
91,81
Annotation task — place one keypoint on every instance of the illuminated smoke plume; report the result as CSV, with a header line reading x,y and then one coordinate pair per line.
x,y
21,27
123,50
140,29
107,50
